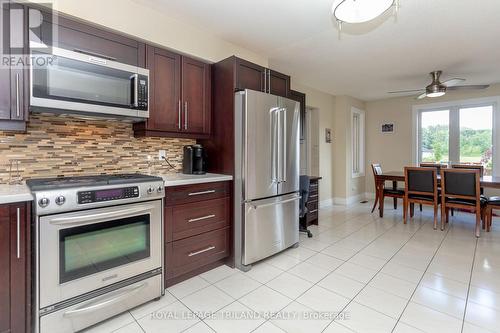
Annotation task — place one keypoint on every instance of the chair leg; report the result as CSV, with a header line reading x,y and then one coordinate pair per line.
x,y
447,219
478,223
452,212
443,217
420,207
381,206
412,210
489,218
405,210
395,201
435,217
376,201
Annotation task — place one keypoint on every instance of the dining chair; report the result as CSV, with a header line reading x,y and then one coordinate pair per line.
x,y
438,167
461,189
479,167
421,187
395,193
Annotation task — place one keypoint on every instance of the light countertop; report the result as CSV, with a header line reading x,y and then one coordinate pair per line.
x,y
176,179
14,193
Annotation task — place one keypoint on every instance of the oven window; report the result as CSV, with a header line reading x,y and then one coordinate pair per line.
x,y
77,81
90,249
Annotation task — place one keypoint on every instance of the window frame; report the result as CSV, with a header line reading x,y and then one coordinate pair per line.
x,y
454,134
357,143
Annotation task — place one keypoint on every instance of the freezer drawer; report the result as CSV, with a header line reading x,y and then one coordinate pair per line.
x,y
270,226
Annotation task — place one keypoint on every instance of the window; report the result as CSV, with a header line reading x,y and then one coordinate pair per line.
x,y
358,142
461,133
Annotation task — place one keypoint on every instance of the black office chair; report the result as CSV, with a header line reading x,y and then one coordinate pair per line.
x,y
304,197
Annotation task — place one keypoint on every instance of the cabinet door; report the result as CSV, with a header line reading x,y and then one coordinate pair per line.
x,y
249,76
165,96
14,275
279,84
12,102
196,92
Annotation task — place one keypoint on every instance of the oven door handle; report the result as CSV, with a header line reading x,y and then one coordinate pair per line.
x,y
98,304
81,219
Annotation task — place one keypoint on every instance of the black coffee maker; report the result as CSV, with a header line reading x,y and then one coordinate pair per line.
x,y
193,162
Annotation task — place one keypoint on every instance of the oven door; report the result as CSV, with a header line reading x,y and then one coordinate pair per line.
x,y
74,81
83,251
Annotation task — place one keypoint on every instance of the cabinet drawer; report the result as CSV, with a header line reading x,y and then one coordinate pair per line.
x,y
199,217
311,216
312,206
188,254
194,193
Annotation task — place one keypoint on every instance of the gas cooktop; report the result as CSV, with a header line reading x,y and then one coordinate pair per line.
x,y
43,184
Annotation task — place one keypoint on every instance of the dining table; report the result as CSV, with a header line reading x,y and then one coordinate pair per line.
x,y
399,176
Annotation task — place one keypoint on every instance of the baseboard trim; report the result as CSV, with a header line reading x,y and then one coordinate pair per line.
x,y
350,200
326,203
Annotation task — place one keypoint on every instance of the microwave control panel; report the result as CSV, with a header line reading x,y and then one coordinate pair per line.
x,y
142,92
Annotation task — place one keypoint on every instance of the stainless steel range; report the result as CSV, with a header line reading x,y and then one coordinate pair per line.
x,y
99,248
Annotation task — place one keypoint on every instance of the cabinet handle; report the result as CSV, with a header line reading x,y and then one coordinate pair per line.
x,y
18,233
185,115
200,193
201,218
269,81
192,254
18,112
313,196
180,107
313,211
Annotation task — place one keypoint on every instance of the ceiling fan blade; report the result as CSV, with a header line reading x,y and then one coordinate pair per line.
x,y
405,91
474,86
422,96
453,82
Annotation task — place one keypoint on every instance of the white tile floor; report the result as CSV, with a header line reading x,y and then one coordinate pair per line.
x,y
359,273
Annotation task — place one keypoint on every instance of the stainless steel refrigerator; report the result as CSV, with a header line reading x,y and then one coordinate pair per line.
x,y
266,180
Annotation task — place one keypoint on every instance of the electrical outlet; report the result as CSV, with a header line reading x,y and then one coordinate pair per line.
x,y
162,154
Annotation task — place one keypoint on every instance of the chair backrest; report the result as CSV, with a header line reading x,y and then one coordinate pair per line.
x,y
461,183
421,180
479,167
304,183
438,166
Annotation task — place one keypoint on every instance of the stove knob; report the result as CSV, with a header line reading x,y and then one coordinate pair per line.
x,y
60,200
150,190
160,189
43,202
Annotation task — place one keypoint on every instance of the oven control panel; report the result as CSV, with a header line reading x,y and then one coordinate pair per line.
x,y
86,197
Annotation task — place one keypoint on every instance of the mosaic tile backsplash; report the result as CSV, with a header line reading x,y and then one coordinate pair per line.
x,y
62,145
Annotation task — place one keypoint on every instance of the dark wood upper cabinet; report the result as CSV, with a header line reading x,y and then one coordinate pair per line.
x,y
249,75
13,92
196,96
15,292
301,98
180,96
92,40
279,84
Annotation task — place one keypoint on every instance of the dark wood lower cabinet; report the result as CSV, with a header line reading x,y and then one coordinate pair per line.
x,y
197,229
15,253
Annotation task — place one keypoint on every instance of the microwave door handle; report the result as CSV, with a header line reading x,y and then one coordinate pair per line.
x,y
135,90
94,54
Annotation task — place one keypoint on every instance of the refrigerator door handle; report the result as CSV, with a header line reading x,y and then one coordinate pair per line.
x,y
284,147
274,153
279,144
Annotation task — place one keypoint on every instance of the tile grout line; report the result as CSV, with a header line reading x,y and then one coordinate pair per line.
x,y
379,271
468,288
420,281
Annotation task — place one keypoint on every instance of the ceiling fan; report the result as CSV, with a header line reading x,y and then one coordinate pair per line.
x,y
438,88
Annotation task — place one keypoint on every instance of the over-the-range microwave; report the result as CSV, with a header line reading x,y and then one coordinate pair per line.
x,y
85,83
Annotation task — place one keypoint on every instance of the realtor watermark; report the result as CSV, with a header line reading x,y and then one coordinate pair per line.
x,y
27,35
250,315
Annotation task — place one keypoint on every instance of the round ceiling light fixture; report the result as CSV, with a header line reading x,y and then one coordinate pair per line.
x,y
360,11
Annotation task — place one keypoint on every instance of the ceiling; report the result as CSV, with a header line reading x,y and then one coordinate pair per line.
x,y
299,37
